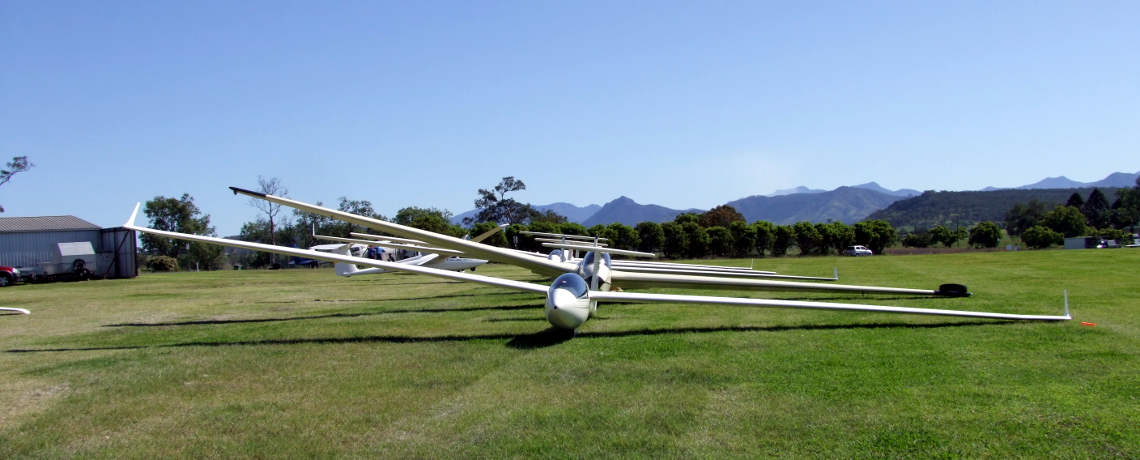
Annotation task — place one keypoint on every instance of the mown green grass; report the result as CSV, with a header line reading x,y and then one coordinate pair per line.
x,y
303,364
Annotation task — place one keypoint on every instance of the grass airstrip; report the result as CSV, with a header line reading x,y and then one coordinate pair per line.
x,y
304,364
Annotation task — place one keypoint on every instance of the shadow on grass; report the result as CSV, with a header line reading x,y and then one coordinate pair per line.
x,y
447,296
545,338
331,315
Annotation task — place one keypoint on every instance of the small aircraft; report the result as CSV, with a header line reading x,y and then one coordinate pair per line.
x,y
572,299
571,255
17,310
443,259
610,277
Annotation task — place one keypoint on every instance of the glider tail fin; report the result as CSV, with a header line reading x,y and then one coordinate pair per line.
x,y
343,269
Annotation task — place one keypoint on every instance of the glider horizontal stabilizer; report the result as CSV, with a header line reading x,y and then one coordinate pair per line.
x,y
386,244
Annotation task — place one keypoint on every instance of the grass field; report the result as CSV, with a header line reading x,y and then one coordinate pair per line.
x,y
303,364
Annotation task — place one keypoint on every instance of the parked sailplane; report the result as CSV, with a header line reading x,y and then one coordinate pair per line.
x,y
571,299
610,278
17,310
442,259
571,255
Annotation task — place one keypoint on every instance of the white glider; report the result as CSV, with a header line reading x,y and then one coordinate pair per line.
x,y
18,310
611,277
571,300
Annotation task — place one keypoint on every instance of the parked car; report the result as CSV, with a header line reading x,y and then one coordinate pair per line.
x,y
858,251
1108,244
9,275
1135,241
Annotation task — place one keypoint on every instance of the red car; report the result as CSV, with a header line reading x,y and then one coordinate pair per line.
x,y
9,275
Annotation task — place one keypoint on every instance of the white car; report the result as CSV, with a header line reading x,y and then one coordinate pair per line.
x,y
858,251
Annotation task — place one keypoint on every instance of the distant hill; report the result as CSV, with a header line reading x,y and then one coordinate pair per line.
x,y
934,208
1116,179
903,192
844,204
629,212
792,191
572,213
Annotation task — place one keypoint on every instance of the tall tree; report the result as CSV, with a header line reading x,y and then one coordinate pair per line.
x,y
1128,213
624,237
1096,209
687,217
807,238
876,235
430,219
1075,200
494,206
676,240
765,235
17,165
720,216
173,215
1066,220
838,236
1023,216
720,241
651,235
271,186
783,236
698,240
743,238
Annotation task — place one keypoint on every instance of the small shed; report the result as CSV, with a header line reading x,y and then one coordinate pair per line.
x,y
30,241
1082,242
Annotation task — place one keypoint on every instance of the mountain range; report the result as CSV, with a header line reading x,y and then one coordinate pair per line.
x,y
1117,179
848,204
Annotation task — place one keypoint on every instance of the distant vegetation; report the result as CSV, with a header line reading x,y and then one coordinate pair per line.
x,y
967,209
926,220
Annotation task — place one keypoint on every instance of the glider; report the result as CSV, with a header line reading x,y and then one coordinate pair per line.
x,y
432,259
18,310
610,277
571,299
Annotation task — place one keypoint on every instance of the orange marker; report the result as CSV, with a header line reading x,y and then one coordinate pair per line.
x,y
1088,324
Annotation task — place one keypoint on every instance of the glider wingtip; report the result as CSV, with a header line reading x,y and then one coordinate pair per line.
x,y
1067,315
131,220
246,192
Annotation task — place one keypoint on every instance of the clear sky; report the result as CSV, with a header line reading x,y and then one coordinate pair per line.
x,y
685,105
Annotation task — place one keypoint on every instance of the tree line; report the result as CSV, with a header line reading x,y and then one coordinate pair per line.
x,y
966,209
719,232
1041,225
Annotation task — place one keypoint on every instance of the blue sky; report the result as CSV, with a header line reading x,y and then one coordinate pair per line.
x,y
685,105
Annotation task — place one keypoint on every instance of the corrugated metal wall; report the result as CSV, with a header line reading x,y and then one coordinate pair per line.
x,y
29,249
115,247
117,255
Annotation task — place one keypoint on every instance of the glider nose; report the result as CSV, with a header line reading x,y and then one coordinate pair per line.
x,y
566,311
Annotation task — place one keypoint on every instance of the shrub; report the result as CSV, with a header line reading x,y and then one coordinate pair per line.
x,y
985,235
1041,237
162,264
917,240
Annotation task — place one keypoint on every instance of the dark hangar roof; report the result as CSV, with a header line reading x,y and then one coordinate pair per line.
x,y
44,224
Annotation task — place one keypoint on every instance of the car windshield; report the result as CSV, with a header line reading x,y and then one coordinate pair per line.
x,y
571,282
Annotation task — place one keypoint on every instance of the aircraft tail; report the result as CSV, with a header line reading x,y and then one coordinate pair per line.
x,y
343,269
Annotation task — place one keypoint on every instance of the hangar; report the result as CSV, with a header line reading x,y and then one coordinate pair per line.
x,y
31,241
